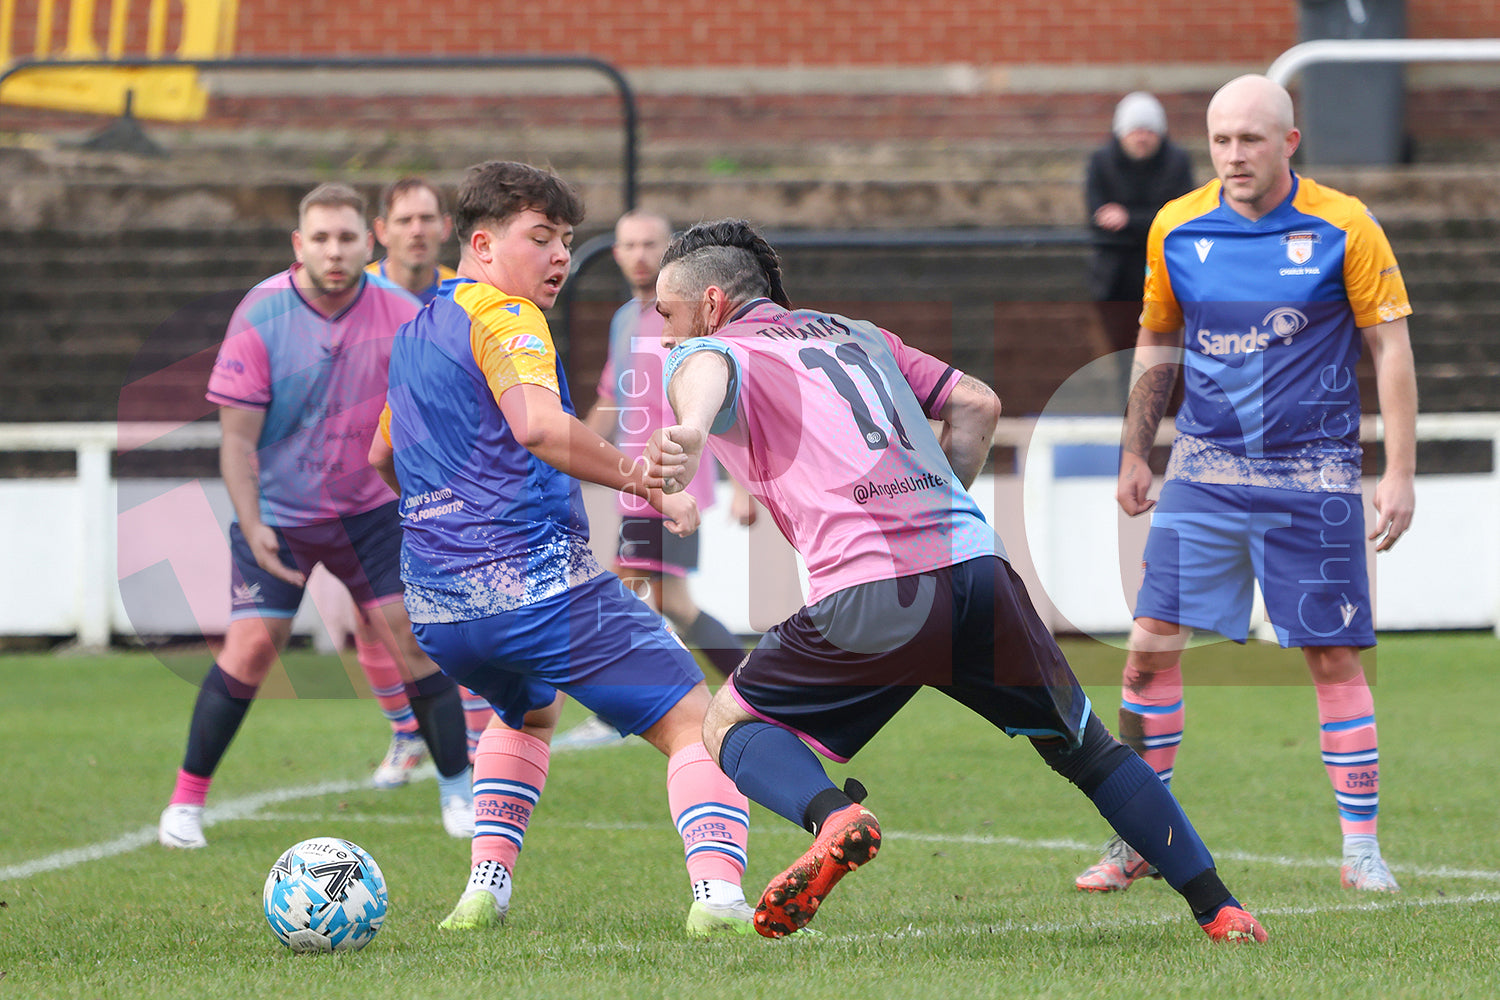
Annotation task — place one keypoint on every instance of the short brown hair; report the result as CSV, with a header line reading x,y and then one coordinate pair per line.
x,y
333,195
397,188
499,189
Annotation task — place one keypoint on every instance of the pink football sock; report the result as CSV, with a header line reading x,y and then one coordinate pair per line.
x,y
1346,733
710,813
510,771
1151,717
191,790
386,684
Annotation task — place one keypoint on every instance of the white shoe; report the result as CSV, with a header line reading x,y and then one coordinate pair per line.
x,y
407,750
1368,871
588,734
458,816
181,826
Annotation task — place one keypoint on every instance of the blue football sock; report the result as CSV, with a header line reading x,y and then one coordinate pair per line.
x,y
1135,802
217,714
773,767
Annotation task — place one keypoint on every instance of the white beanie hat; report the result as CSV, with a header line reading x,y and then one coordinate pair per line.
x,y
1139,110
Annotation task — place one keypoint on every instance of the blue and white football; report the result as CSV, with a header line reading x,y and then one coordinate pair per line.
x,y
325,894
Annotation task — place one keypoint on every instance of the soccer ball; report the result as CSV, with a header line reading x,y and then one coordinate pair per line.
x,y
325,894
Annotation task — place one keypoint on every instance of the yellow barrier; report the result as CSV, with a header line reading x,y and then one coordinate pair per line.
x,y
205,30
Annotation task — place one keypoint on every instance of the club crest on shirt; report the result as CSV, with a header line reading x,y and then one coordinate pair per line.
x,y
1299,246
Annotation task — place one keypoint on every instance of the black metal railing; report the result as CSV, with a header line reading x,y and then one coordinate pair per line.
x,y
629,112
588,252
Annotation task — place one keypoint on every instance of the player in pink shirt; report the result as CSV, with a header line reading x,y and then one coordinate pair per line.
x,y
632,403
300,382
825,420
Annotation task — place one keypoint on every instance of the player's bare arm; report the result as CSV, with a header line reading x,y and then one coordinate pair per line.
x,y
696,392
383,458
541,425
1389,345
1158,358
603,418
969,417
742,506
240,469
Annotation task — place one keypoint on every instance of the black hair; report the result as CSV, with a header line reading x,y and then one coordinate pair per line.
x,y
731,254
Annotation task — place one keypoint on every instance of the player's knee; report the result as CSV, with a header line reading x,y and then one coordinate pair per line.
x,y
675,601
682,725
723,715
1155,645
1332,664
249,655
680,611
1087,765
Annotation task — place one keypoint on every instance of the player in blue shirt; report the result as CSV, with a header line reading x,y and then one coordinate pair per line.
x,y
1261,288
480,437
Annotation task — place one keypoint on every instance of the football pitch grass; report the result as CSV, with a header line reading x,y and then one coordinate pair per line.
x,y
971,895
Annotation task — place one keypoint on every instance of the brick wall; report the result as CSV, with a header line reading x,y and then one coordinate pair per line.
x,y
708,33
1453,19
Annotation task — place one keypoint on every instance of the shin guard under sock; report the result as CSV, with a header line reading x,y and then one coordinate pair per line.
x,y
1351,753
217,714
774,768
711,815
440,720
510,771
1151,717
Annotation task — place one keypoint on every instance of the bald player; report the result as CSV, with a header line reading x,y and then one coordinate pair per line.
x,y
1262,288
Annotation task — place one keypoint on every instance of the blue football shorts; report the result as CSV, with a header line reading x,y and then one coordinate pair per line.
x,y
837,671
597,642
362,550
1208,543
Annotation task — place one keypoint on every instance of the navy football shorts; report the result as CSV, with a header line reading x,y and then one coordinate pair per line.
x,y
647,545
1209,543
836,672
362,550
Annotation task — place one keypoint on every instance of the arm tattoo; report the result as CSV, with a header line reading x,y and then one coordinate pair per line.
x,y
1148,401
973,384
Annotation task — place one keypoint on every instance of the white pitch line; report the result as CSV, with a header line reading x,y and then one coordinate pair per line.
x,y
1112,923
971,930
235,809
249,807
1276,860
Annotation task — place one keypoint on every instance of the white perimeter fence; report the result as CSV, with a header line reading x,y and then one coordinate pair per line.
x,y
77,551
